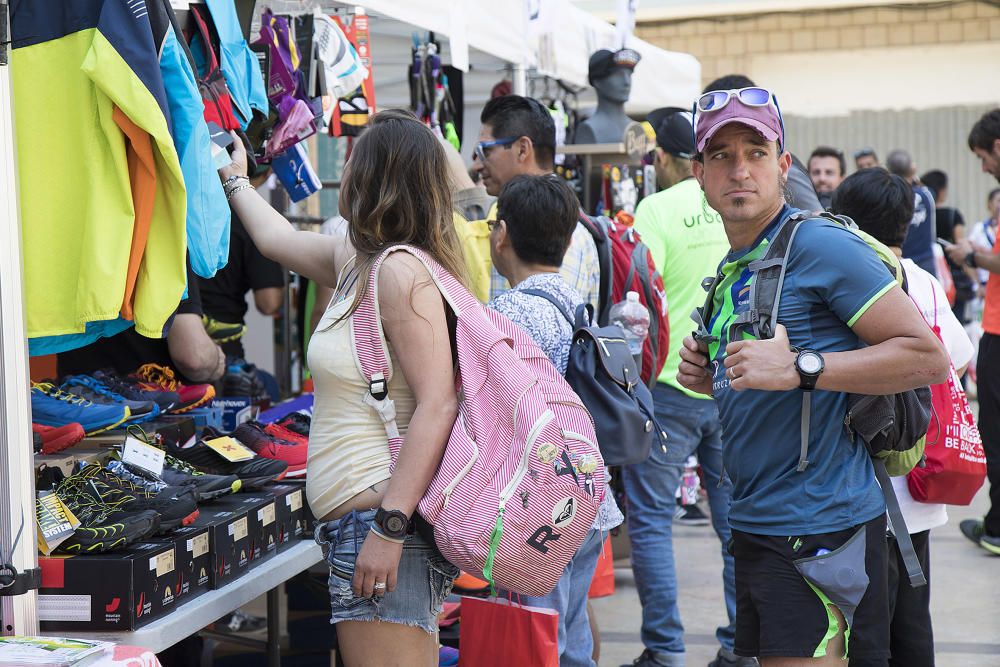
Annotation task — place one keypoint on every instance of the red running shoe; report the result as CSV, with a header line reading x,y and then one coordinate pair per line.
x,y
293,452
283,433
57,438
154,377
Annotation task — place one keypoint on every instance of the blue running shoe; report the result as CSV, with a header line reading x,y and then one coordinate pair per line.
x,y
52,407
97,392
166,400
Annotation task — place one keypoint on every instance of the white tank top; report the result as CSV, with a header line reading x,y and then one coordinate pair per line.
x,y
348,448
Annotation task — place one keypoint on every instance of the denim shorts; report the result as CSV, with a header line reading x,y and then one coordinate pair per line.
x,y
423,580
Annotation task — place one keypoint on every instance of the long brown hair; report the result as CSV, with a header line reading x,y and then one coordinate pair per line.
x,y
396,190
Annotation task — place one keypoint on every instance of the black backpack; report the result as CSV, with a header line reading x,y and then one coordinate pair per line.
x,y
602,371
891,427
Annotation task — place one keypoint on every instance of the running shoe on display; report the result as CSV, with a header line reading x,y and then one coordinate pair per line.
x,y
176,505
52,407
241,379
160,378
133,392
178,473
254,473
296,422
57,438
96,391
294,451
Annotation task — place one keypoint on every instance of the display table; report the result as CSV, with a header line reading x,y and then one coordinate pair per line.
x,y
190,618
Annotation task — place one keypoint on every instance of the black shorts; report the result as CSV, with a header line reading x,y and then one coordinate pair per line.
x,y
783,587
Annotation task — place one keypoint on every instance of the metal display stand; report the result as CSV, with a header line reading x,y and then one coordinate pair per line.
x,y
190,618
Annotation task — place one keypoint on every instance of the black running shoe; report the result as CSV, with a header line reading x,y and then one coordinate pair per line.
x,y
241,379
178,472
254,473
296,422
176,505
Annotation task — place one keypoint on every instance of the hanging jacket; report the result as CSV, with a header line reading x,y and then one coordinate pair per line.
x,y
97,170
240,66
208,214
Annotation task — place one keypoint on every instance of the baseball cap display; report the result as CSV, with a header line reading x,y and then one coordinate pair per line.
x,y
603,62
673,134
754,107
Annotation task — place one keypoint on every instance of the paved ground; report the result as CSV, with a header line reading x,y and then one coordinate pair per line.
x,y
965,600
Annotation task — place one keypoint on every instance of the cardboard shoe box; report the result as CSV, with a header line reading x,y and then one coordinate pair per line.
x,y
290,513
193,560
260,510
228,542
117,591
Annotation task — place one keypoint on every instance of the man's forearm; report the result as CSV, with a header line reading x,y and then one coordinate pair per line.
x,y
895,365
987,260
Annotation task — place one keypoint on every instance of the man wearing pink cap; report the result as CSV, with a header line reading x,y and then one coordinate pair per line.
x,y
842,326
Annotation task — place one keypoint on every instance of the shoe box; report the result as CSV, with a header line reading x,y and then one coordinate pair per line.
x,y
115,591
228,541
291,513
67,460
192,558
260,509
235,410
207,415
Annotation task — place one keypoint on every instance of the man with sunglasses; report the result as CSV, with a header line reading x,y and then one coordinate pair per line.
x,y
518,136
853,331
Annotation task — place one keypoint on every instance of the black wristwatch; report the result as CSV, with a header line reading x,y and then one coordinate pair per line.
x,y
392,523
809,365
970,259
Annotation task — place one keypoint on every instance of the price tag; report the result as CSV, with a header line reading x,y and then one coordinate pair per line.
x,y
137,453
199,545
294,500
266,514
230,449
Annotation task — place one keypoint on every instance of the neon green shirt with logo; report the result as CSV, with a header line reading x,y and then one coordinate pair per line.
x,y
687,240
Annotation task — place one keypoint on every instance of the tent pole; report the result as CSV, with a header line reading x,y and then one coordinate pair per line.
x,y
17,484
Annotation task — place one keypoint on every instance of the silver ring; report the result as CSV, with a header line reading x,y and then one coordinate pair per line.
x,y
379,586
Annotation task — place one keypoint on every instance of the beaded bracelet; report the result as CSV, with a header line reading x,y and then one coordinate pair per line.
x,y
232,179
239,188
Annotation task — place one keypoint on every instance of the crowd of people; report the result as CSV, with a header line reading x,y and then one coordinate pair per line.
x,y
734,393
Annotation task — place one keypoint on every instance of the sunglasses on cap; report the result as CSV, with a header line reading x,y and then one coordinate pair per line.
x,y
718,99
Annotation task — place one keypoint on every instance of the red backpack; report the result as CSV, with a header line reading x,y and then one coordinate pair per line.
x,y
627,265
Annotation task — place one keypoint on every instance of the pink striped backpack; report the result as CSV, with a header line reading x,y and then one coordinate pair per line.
x,y
522,477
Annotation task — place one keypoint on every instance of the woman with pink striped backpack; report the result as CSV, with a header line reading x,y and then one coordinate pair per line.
x,y
471,432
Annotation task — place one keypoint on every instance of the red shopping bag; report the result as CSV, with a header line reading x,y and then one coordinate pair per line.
x,y
497,632
603,583
955,463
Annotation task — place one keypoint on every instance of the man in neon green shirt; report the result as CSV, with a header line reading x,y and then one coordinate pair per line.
x,y
687,240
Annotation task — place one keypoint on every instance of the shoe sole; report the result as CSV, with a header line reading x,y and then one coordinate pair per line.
x,y
209,395
167,526
217,493
992,548
259,482
128,416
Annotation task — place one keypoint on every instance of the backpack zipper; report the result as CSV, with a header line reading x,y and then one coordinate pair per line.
x,y
522,468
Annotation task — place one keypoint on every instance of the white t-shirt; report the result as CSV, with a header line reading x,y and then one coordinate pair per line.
x,y
925,291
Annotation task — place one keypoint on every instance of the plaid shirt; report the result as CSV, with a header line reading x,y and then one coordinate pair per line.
x,y
581,268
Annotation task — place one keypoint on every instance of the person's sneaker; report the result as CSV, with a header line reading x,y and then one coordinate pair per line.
x,y
269,444
296,422
990,543
690,515
972,529
253,473
57,438
726,658
222,332
52,407
122,386
647,659
156,377
95,391
240,622
176,505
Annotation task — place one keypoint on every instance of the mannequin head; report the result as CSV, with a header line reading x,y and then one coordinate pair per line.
x,y
615,87
610,73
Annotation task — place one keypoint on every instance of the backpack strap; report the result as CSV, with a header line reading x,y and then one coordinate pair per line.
x,y
370,351
598,228
903,541
542,294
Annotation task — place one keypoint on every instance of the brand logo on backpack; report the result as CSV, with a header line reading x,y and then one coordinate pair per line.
x,y
564,512
540,537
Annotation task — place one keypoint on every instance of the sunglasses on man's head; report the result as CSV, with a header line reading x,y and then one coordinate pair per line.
x,y
718,99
